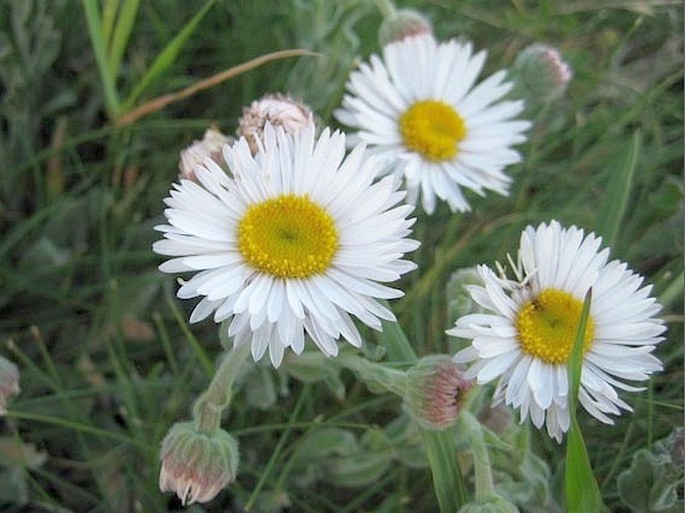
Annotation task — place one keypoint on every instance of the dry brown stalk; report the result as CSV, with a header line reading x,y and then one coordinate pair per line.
x,y
162,101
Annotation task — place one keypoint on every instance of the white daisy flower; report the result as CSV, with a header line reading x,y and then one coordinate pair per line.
x,y
418,108
527,337
295,241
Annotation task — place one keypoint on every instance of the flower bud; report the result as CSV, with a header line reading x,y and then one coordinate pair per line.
x,y
209,146
401,24
195,465
9,382
436,389
277,109
541,74
492,505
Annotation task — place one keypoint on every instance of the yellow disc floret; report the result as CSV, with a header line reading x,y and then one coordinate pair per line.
x,y
288,237
547,326
433,129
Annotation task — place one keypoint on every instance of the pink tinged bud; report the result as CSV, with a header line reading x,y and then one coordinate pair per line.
x,y
195,465
277,109
9,382
436,389
402,24
209,146
541,70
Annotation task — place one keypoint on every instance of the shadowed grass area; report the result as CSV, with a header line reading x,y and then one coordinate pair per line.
x,y
108,362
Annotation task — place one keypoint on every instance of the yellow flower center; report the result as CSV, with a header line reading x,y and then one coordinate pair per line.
x,y
433,129
547,326
288,236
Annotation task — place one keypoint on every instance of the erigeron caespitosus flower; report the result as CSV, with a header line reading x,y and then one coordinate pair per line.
x,y
298,239
525,338
277,110
418,108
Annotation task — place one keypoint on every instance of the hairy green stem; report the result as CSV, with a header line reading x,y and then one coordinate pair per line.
x,y
210,405
448,485
485,488
440,446
386,7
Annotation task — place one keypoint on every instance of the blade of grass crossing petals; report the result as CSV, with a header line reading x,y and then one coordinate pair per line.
x,y
582,491
167,56
618,192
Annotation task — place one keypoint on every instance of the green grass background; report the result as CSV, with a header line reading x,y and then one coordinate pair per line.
x,y
108,362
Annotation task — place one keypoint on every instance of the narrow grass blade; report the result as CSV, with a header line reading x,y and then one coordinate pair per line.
x,y
166,57
92,11
582,491
120,36
575,362
618,192
202,357
109,16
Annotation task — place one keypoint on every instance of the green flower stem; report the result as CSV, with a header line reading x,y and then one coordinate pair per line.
x,y
485,488
440,447
210,405
448,485
375,374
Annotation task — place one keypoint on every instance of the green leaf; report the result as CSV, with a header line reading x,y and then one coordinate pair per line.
x,y
645,486
360,469
323,443
260,389
166,57
396,343
618,192
582,491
